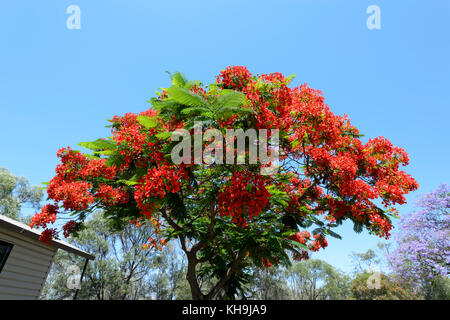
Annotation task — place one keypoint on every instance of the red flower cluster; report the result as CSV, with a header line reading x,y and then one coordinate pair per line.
x,y
266,263
303,237
74,195
46,216
72,185
154,244
330,148
155,241
234,77
129,132
97,168
69,228
133,139
111,196
244,198
302,255
319,242
71,164
157,183
47,235
296,190
275,77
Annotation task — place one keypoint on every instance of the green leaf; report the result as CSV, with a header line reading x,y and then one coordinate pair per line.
x,y
178,79
334,234
127,182
191,110
290,78
317,231
147,122
230,100
99,144
90,156
357,227
115,160
213,88
295,143
302,246
163,135
289,233
183,96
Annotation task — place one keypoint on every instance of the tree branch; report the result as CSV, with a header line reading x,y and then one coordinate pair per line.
x,y
219,285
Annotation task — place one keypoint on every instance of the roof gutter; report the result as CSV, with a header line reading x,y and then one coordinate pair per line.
x,y
15,226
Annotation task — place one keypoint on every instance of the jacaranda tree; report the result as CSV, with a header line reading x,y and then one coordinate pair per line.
x,y
228,215
422,258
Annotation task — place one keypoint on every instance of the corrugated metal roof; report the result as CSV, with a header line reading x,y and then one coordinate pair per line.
x,y
16,226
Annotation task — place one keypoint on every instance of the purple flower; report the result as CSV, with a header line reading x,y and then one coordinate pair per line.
x,y
423,251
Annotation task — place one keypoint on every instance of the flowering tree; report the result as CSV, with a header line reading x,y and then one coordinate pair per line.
x,y
227,216
388,289
423,253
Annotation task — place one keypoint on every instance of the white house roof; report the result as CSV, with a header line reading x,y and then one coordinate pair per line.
x,y
16,226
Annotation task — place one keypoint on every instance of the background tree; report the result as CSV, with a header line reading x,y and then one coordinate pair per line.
x,y
388,289
317,280
168,281
229,217
364,261
422,258
268,284
123,268
15,193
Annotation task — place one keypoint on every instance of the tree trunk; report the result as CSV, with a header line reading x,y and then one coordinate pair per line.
x,y
191,277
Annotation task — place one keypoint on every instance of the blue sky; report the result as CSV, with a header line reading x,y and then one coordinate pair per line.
x,y
57,86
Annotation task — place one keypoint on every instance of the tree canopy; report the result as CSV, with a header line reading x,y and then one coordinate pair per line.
x,y
15,193
229,215
387,289
422,258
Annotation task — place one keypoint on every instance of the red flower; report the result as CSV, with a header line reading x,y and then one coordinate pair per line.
x,y
235,77
244,198
46,216
156,184
111,196
47,235
69,228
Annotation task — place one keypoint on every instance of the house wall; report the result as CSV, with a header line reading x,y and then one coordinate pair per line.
x,y
26,269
